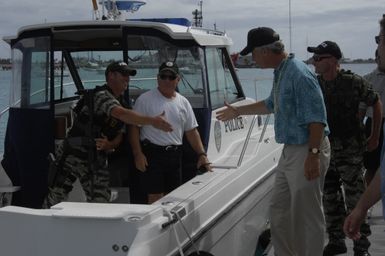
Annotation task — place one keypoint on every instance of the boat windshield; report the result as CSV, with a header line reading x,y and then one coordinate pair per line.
x,y
70,61
92,65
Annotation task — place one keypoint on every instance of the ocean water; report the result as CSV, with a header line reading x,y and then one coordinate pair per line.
x,y
256,84
5,82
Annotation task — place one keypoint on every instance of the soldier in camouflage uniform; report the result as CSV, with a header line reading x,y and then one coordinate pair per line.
x,y
344,93
96,134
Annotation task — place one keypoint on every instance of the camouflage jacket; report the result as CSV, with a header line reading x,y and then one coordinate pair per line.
x,y
343,96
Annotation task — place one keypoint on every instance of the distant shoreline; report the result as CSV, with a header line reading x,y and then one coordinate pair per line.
x,y
346,61
5,64
358,61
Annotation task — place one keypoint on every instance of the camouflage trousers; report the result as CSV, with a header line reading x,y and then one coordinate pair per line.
x,y
95,185
344,185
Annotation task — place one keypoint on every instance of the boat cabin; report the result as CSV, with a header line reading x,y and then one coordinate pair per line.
x,y
53,63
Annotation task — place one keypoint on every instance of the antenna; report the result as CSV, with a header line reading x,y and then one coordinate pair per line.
x,y
197,15
96,10
307,44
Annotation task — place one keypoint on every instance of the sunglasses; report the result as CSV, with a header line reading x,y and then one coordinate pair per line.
x,y
168,77
317,58
378,38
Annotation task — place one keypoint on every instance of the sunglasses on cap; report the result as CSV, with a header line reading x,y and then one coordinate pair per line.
x,y
317,58
167,77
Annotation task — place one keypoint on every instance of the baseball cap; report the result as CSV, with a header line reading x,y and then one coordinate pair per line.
x,y
169,66
327,47
120,67
259,37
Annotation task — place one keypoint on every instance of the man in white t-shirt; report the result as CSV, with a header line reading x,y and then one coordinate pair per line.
x,y
158,154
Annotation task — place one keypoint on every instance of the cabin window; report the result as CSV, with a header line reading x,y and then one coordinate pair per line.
x,y
39,77
63,82
91,65
191,73
189,61
30,85
15,90
221,83
146,52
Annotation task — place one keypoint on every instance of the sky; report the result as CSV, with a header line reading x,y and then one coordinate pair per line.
x,y
351,23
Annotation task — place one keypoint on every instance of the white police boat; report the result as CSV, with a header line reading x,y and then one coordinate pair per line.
x,y
223,212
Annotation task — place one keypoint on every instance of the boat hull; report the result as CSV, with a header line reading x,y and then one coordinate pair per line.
x,y
237,232
225,216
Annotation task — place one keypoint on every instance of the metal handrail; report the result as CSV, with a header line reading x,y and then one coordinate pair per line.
x,y
264,127
4,111
245,144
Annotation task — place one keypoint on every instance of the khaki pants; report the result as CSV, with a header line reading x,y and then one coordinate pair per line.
x,y
297,219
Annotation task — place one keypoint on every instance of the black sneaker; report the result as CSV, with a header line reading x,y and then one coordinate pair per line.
x,y
335,248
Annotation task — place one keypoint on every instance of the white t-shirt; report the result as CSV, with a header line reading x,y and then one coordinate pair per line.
x,y
178,112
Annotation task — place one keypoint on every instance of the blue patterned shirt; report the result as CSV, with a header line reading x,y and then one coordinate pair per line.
x,y
296,101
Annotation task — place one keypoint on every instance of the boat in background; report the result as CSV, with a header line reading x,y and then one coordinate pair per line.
x,y
94,67
223,212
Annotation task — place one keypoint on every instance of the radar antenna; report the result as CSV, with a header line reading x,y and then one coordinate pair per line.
x,y
197,15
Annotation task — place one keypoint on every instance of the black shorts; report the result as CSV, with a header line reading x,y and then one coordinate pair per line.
x,y
163,173
372,159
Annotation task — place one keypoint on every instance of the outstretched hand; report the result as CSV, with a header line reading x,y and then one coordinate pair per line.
x,y
161,123
228,113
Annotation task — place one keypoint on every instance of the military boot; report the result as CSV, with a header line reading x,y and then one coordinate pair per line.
x,y
335,247
361,246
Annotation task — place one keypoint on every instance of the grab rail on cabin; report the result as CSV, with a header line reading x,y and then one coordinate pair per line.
x,y
245,144
4,111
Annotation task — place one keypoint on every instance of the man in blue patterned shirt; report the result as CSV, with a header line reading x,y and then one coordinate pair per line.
x,y
297,220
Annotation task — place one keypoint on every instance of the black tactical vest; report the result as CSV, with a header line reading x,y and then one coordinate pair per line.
x,y
102,123
342,98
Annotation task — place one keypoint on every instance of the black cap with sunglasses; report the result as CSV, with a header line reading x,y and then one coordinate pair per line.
x,y
169,66
327,47
120,67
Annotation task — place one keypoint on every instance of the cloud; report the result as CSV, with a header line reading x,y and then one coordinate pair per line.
x,y
352,25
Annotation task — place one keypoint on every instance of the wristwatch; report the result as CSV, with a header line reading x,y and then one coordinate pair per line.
x,y
315,151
